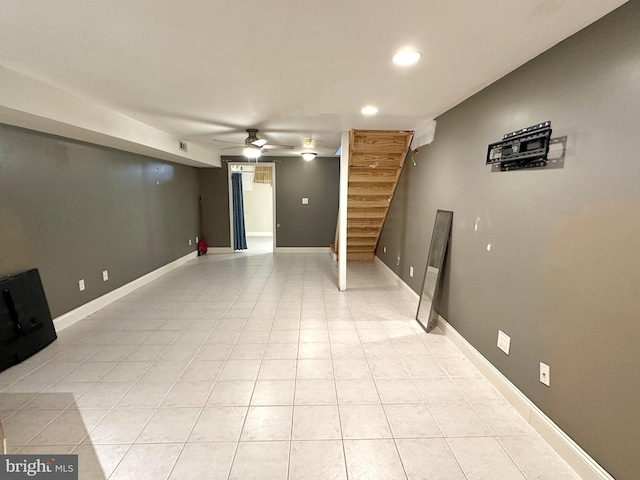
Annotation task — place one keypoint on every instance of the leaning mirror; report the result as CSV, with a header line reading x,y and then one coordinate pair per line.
x,y
430,293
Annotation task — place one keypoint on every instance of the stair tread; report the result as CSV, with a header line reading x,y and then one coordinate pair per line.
x,y
376,158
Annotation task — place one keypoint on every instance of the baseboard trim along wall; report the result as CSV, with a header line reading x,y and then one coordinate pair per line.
x,y
570,451
219,250
398,281
303,250
259,234
67,319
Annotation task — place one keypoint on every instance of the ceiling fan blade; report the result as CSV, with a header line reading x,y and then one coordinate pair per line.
x,y
232,143
254,142
271,146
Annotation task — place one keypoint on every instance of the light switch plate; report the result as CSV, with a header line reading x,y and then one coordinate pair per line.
x,y
305,201
504,342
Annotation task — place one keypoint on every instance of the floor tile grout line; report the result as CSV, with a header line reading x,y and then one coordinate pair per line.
x,y
295,382
255,382
455,457
37,433
437,425
159,406
131,445
497,440
211,389
385,412
335,386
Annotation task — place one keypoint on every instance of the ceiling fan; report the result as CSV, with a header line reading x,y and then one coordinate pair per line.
x,y
253,145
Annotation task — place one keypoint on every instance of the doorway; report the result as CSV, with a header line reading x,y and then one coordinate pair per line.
x,y
254,188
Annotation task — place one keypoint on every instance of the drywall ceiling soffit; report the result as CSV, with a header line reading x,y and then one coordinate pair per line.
x,y
29,103
210,69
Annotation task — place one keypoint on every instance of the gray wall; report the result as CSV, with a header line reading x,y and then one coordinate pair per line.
x,y
312,225
72,209
214,189
563,272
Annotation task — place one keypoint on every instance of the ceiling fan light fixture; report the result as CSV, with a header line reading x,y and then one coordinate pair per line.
x,y
308,156
407,57
252,152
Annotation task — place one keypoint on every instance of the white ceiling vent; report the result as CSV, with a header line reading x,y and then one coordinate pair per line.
x,y
182,145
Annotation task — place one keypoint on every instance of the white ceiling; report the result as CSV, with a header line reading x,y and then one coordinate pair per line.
x,y
208,69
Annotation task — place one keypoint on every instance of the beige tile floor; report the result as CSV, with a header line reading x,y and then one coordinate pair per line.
x,y
254,366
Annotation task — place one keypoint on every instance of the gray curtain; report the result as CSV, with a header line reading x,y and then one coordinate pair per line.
x,y
239,233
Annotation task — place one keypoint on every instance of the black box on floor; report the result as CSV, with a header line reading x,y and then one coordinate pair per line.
x,y
26,326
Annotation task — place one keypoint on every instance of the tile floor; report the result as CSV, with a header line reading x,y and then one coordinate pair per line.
x,y
254,366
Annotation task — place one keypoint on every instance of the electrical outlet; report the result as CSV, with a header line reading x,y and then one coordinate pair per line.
x,y
305,201
81,285
196,240
411,271
189,241
384,249
545,374
105,275
398,263
504,342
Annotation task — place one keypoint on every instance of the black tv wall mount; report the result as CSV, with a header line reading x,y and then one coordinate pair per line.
x,y
525,148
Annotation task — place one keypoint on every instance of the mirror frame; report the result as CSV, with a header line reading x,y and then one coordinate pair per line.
x,y
431,321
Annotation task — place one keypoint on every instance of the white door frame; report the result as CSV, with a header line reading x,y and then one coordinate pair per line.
x,y
273,198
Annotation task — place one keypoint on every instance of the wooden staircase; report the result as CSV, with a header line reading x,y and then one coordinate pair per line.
x,y
376,158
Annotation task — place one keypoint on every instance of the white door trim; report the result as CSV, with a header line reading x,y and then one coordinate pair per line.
x,y
273,199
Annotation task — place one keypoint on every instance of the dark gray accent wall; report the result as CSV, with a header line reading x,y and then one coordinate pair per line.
x,y
73,209
312,225
562,273
214,189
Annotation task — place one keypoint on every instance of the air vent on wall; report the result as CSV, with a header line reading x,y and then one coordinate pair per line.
x,y
182,145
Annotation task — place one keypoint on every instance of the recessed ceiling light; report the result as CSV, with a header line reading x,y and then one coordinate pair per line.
x,y
369,110
407,57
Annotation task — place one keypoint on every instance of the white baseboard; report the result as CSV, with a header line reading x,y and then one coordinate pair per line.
x,y
215,250
398,281
303,249
67,319
570,451
259,234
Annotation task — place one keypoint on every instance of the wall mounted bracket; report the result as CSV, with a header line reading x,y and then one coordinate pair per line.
x,y
525,148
